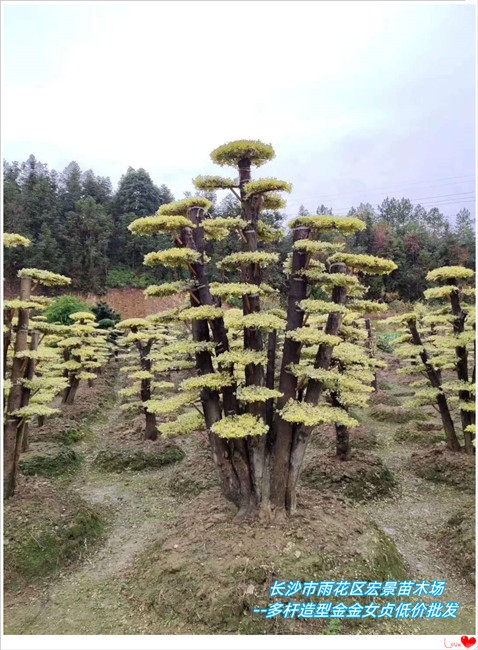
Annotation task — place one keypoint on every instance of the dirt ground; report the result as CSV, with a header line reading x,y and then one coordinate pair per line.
x,y
169,559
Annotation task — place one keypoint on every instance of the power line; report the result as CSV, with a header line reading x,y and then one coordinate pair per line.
x,y
429,205
436,181
459,198
423,198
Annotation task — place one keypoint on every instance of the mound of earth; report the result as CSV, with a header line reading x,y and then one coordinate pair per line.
x,y
429,433
46,528
361,478
384,397
444,466
136,458
49,460
397,414
362,437
65,431
206,574
458,541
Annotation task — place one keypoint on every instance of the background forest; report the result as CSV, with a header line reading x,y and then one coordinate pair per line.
x,y
78,224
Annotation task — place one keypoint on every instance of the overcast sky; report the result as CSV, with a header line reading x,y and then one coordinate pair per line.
x,y
360,100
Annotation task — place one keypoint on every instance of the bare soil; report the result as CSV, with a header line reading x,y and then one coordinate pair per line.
x,y
172,561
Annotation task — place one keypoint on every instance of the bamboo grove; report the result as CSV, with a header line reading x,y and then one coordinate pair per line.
x,y
264,379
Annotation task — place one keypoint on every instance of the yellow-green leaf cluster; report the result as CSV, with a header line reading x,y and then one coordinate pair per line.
x,y
239,426
159,223
181,207
12,240
172,257
235,260
46,278
232,153
326,223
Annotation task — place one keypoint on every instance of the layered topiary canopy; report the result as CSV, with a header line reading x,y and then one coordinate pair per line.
x,y
259,408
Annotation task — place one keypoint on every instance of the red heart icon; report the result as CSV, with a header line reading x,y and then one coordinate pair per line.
x,y
468,641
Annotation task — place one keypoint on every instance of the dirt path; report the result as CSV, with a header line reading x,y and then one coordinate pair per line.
x,y
420,509
90,599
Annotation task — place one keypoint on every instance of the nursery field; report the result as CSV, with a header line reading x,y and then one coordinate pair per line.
x,y
280,427
100,540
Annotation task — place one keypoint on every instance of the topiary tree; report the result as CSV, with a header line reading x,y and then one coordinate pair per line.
x,y
452,286
146,338
259,421
350,378
436,341
22,366
85,350
44,376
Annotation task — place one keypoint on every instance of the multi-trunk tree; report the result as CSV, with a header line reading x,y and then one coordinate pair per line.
x,y
259,414
21,341
148,347
439,341
85,350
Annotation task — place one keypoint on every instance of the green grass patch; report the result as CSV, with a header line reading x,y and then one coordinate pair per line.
x,y
46,553
137,459
425,432
397,414
52,462
71,436
385,341
388,399
45,530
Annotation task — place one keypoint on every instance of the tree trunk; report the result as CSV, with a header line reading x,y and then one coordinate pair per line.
x,y
282,433
314,392
451,439
12,442
270,373
26,392
371,348
256,449
7,337
342,442
226,455
342,438
150,431
70,392
467,417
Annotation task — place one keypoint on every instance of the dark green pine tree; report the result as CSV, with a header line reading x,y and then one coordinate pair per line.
x,y
166,196
88,230
14,219
39,196
70,187
137,196
98,187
